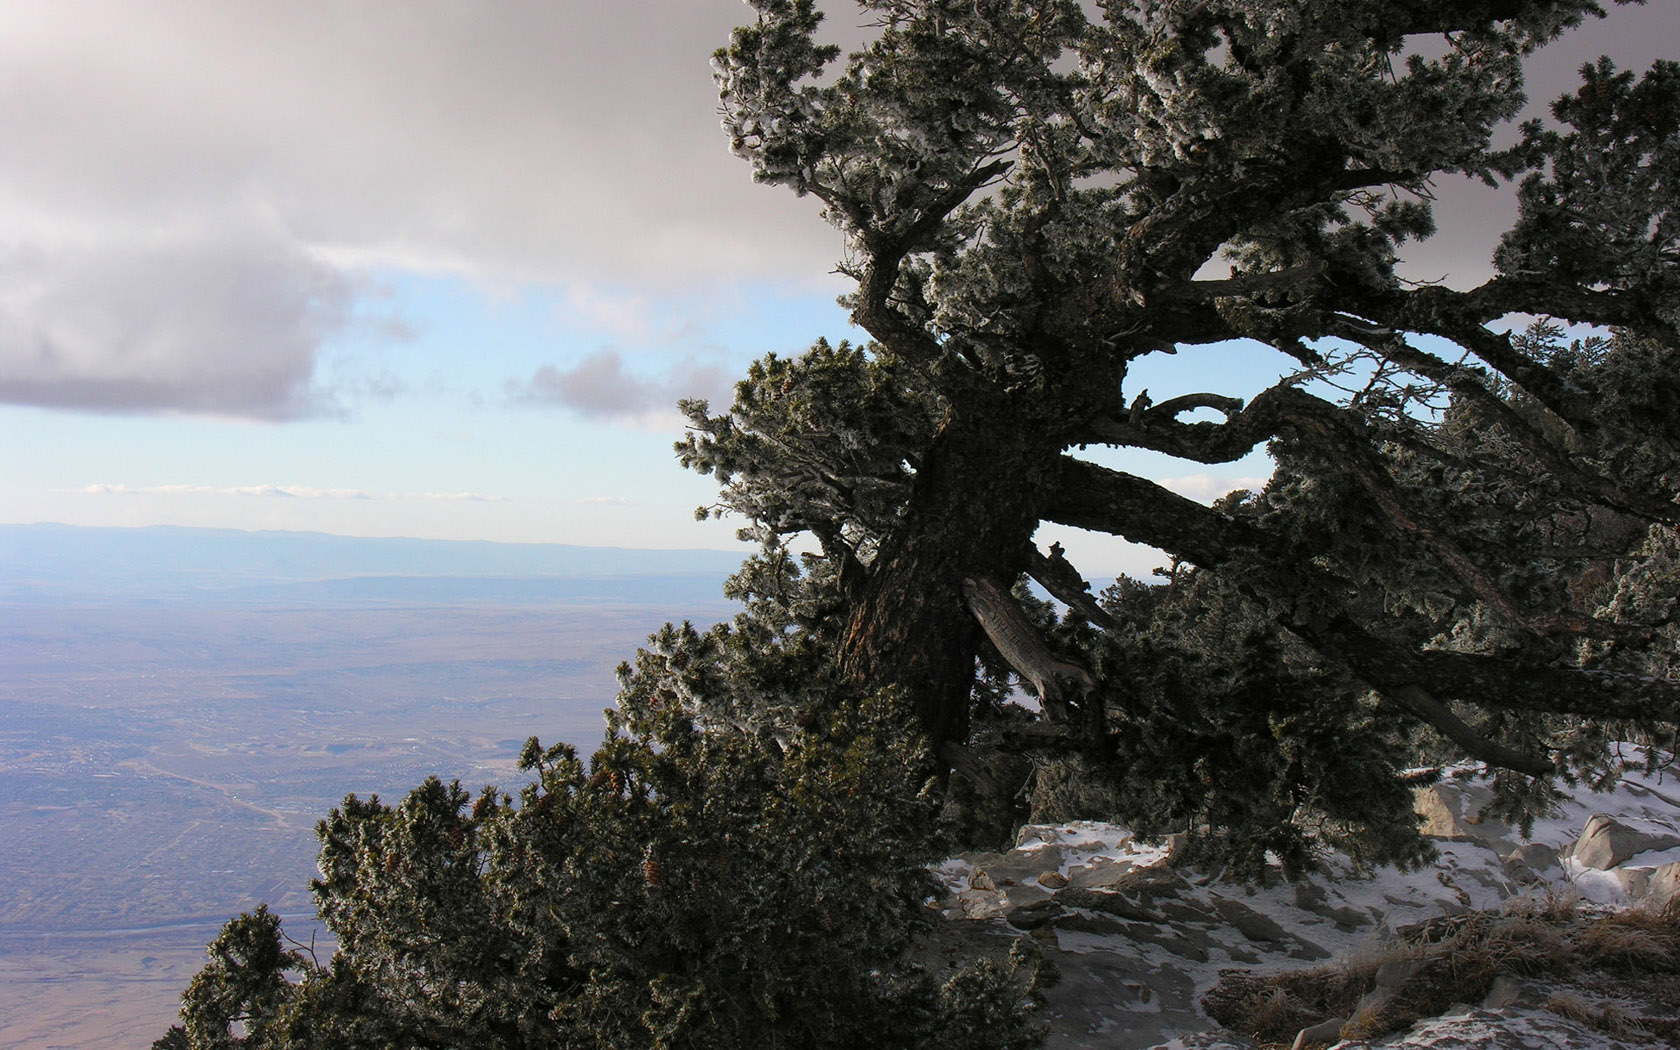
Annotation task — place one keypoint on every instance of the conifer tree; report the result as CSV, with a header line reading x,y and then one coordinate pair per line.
x,y
684,890
1037,195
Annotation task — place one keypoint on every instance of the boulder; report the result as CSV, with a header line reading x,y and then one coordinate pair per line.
x,y
1250,923
1035,915
1529,863
1606,843
1635,882
1135,907
1321,1034
981,904
1215,1040
1395,972
1047,834
1099,874
1665,885
1452,809
1508,992
1481,1029
1017,867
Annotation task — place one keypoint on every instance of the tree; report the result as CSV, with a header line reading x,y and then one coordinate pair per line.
x,y
1036,195
688,890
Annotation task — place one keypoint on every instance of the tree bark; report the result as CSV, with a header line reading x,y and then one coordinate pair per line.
x,y
972,514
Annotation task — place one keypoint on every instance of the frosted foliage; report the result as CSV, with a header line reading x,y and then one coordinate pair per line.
x,y
1038,196
1603,209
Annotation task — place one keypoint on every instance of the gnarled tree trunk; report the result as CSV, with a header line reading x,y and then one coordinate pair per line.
x,y
972,514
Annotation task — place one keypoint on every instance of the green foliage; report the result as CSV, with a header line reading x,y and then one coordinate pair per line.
x,y
1030,190
688,889
826,443
1222,728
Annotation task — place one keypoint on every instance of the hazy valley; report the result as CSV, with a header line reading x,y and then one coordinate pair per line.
x,y
168,739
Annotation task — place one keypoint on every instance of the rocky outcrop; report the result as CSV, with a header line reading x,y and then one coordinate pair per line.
x,y
1451,809
1137,940
1607,843
1483,1029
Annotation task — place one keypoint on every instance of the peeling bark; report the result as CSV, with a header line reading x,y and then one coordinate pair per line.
x,y
1018,643
971,516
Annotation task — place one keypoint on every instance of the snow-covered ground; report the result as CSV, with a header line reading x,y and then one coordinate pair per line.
x,y
1139,942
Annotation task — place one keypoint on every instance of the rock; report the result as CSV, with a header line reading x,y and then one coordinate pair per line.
x,y
1053,880
1635,882
1504,991
1496,1030
1086,922
1372,1001
1323,1032
1136,907
1452,809
980,859
1135,895
1024,894
1665,885
1606,843
1178,943
1309,893
1017,867
1311,897
1048,834
1396,972
1537,856
1120,1000
1153,881
1250,923
1100,874
981,904
1185,913
1523,875
1220,1040
1034,915
1529,863
1508,992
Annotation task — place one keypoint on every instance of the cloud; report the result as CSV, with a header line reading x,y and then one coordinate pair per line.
x,y
518,142
286,492
599,387
1205,488
225,324
507,144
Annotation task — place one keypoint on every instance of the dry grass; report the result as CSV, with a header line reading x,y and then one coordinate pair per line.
x,y
1458,960
1608,1018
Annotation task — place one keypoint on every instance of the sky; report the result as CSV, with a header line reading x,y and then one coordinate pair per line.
x,y
405,268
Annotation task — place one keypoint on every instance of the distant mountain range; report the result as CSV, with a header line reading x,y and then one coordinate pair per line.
x,y
51,563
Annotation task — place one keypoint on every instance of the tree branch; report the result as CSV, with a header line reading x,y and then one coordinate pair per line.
x,y
1094,497
1158,429
1464,383
1018,642
1421,704
1087,496
1058,576
1246,284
